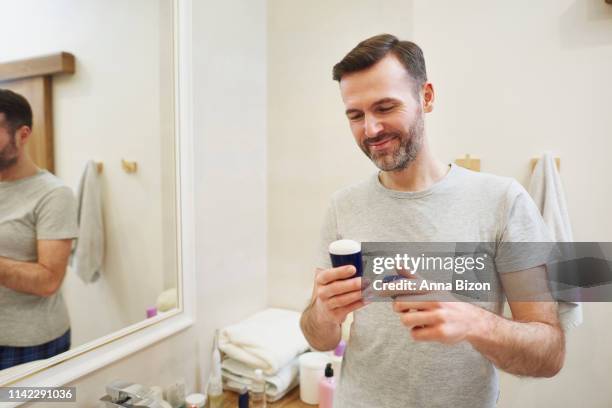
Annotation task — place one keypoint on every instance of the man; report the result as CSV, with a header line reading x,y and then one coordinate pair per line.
x,y
423,354
38,222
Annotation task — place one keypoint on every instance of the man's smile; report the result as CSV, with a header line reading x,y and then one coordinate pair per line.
x,y
381,144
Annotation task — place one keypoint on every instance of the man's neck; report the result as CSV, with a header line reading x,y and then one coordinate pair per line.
x,y
420,174
24,167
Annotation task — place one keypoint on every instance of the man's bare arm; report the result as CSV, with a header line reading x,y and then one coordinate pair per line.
x,y
41,278
532,344
321,335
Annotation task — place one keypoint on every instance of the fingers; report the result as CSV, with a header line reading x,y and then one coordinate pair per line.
x,y
435,333
343,311
406,273
409,287
339,287
325,276
426,318
344,299
400,306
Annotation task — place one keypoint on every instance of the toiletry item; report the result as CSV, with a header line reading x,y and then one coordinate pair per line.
x,y
346,252
327,387
215,384
157,392
125,393
195,401
175,393
336,359
312,368
257,396
151,312
215,400
243,398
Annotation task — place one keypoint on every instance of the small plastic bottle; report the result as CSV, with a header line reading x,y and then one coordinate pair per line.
x,y
336,359
243,398
215,383
327,387
257,394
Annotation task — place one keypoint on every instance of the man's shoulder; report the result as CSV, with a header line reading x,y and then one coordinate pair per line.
x,y
486,183
355,190
52,189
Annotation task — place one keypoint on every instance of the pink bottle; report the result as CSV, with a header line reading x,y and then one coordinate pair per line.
x,y
327,387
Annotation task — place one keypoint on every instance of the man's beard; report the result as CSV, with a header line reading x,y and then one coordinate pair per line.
x,y
410,144
8,155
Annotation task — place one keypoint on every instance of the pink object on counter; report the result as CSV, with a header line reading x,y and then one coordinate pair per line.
x,y
339,351
151,312
327,388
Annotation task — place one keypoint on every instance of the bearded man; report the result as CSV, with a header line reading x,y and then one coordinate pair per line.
x,y
38,222
405,353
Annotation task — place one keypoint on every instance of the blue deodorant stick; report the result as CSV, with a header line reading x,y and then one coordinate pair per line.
x,y
346,252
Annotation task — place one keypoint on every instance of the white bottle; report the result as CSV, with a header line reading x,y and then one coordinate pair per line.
x,y
257,392
215,384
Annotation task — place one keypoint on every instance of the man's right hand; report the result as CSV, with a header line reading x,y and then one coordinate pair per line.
x,y
336,294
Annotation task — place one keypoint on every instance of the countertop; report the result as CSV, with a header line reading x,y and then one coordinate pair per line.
x,y
291,400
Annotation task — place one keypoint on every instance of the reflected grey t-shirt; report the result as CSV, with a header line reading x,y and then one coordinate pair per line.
x,y
34,208
382,366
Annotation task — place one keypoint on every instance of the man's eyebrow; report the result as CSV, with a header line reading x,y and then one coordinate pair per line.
x,y
378,102
384,100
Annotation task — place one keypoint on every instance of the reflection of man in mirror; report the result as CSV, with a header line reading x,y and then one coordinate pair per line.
x,y
38,222
406,353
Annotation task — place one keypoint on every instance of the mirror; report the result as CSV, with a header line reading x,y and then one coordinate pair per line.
x,y
88,206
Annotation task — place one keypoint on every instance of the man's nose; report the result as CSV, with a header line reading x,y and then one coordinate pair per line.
x,y
372,126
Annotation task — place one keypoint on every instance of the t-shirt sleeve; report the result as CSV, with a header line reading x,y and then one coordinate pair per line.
x,y
525,240
329,233
56,215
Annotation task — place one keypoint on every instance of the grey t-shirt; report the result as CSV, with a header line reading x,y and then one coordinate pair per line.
x,y
383,367
34,208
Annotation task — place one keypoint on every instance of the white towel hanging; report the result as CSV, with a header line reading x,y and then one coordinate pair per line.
x,y
88,252
546,189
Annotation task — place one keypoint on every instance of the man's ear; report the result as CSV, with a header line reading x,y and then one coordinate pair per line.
x,y
22,135
428,97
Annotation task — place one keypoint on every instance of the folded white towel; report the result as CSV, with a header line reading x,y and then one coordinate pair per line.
x,y
88,252
237,375
546,190
269,340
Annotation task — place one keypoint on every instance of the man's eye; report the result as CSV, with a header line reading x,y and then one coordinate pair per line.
x,y
355,117
385,108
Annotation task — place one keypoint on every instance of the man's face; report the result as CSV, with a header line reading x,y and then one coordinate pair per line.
x,y
9,153
385,114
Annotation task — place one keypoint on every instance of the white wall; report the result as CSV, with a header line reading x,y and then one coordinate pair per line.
x,y
515,79
311,150
512,80
117,105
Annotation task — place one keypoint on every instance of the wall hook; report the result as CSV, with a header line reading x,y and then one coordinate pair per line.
x,y
129,166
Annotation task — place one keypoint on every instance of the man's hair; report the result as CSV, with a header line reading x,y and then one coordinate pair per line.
x,y
372,50
16,109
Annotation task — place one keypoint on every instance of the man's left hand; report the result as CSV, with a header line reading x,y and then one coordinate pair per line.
x,y
444,322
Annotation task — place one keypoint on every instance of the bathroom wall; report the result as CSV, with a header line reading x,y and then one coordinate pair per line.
x,y
117,105
311,151
512,80
230,201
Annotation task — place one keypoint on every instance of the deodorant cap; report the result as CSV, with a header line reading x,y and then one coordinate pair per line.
x,y
344,247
